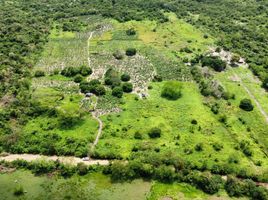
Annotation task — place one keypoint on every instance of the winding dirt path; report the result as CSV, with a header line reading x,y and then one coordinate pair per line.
x,y
88,44
94,113
63,159
252,97
99,130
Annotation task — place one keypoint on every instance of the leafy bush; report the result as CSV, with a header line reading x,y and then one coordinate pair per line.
x,y
246,105
125,77
18,191
39,73
117,92
158,78
199,147
70,71
131,31
265,83
118,55
138,135
85,70
217,146
112,78
171,90
127,87
82,169
155,133
131,52
78,78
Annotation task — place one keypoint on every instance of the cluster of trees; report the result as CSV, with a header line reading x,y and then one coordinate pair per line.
x,y
44,167
119,84
169,172
208,86
47,144
94,86
214,62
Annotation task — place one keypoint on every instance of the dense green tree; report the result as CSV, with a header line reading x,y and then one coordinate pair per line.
x,y
246,105
127,87
117,92
125,77
155,132
131,52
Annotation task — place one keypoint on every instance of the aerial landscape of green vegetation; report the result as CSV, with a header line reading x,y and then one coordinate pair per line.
x,y
139,100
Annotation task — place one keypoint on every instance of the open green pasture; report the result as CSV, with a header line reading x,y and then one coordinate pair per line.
x,y
179,134
253,126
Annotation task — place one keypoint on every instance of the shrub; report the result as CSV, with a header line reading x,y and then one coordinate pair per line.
x,y
265,83
39,73
234,187
206,36
138,135
157,78
99,90
209,184
18,191
82,169
78,78
199,147
223,119
112,78
171,90
194,122
217,146
246,105
70,71
56,71
233,159
165,173
118,55
131,52
85,70
125,77
131,31
93,86
155,133
117,92
127,87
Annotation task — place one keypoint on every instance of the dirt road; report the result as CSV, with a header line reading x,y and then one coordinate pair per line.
x,y
63,159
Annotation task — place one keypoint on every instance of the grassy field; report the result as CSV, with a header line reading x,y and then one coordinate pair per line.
x,y
181,191
253,121
178,133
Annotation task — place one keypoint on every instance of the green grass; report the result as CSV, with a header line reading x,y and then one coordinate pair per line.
x,y
174,118
30,183
93,186
178,191
253,120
